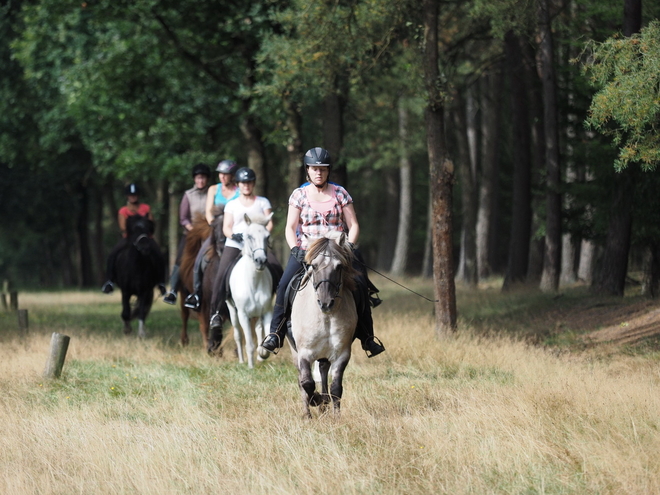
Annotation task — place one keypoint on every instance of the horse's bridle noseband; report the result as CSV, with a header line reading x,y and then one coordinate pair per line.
x,y
337,287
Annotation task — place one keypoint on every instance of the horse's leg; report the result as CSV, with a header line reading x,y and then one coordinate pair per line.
x,y
126,311
185,313
307,385
324,368
246,324
259,334
265,319
238,335
142,333
337,389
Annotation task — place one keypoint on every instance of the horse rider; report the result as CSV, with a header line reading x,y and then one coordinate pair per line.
x,y
217,197
233,227
316,208
193,202
132,207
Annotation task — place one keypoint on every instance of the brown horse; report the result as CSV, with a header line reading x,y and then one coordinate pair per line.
x,y
194,239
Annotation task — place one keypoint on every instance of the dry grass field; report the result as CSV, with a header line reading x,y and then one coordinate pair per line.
x,y
535,395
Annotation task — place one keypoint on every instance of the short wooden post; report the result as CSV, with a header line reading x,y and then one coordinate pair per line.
x,y
5,293
58,346
22,320
13,300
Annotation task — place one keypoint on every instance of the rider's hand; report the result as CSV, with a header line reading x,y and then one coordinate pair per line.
x,y
237,237
298,254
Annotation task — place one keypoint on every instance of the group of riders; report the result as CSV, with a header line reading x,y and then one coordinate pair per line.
x,y
315,208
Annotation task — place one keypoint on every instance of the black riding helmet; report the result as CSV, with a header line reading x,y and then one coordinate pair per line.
x,y
132,189
202,169
227,167
245,174
317,157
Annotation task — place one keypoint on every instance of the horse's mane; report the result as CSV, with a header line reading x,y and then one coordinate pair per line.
x,y
141,222
342,252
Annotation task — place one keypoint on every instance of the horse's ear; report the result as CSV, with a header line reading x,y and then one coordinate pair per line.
x,y
247,219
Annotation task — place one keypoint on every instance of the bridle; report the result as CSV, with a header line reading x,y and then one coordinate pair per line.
x,y
337,287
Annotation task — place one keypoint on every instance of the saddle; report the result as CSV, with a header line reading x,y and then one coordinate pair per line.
x,y
230,268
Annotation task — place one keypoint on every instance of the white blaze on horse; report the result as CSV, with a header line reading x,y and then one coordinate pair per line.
x,y
323,320
250,300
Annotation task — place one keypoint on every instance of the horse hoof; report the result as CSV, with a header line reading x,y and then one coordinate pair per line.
x,y
263,353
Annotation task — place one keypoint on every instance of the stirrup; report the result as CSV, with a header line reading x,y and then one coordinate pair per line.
x,y
170,298
374,300
279,342
192,302
376,341
107,287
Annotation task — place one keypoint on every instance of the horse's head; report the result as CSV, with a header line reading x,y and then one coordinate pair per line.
x,y
330,261
139,229
255,239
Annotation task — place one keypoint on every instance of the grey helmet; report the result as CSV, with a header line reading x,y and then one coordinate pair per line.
x,y
227,167
318,157
201,168
245,174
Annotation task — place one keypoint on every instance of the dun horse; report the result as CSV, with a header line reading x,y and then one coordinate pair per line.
x,y
250,299
139,267
201,230
323,320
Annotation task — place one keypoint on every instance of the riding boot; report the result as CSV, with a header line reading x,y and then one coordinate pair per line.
x,y
278,327
170,298
365,332
194,300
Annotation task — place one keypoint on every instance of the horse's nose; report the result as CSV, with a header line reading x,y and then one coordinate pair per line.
x,y
326,308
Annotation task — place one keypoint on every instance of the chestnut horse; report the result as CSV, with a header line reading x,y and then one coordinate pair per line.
x,y
194,239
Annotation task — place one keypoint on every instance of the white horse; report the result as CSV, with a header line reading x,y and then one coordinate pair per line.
x,y
323,320
250,301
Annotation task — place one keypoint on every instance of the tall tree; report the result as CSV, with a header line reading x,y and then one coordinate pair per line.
x,y
552,254
441,177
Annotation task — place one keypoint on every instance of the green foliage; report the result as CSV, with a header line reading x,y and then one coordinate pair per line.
x,y
627,105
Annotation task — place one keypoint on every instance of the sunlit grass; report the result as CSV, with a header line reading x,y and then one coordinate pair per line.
x,y
484,412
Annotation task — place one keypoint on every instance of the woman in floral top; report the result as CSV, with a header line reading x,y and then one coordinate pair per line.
x,y
316,208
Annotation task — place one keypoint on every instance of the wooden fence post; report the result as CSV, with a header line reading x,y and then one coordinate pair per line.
x,y
13,300
58,346
23,320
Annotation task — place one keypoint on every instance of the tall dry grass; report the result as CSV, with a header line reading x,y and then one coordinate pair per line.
x,y
465,415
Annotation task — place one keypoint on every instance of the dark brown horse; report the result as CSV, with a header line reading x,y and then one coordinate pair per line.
x,y
139,266
194,239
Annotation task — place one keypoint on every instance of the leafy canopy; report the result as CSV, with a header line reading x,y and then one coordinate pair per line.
x,y
627,107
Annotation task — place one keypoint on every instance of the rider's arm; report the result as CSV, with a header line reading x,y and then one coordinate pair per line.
x,y
269,225
210,198
121,220
351,222
291,228
185,215
228,224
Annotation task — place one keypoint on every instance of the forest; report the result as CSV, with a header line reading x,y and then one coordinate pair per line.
x,y
534,122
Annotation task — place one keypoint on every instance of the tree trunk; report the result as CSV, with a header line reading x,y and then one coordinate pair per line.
x,y
490,95
441,179
535,99
611,276
405,195
521,214
294,147
552,256
99,253
586,264
467,270
427,264
389,218
255,149
333,131
173,200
